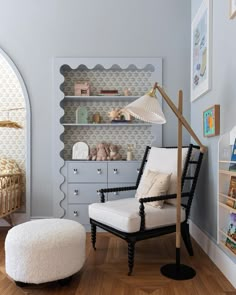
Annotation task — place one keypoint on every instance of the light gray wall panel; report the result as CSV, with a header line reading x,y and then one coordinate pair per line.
x,y
223,92
33,32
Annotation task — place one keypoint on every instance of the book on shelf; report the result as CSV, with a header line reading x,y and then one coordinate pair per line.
x,y
232,192
229,242
232,166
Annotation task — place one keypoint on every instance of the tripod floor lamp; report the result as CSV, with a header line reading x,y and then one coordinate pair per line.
x,y
147,108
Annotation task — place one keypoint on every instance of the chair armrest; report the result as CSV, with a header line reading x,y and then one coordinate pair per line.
x,y
151,199
114,189
162,198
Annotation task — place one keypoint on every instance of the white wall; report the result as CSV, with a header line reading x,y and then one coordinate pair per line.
x,y
223,92
33,32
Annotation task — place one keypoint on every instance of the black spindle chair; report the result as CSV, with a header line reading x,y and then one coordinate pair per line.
x,y
190,175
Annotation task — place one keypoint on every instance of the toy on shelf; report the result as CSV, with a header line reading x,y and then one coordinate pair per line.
x,y
82,88
102,152
113,153
92,154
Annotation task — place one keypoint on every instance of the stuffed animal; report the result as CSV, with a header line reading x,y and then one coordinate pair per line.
x,y
113,152
102,151
93,154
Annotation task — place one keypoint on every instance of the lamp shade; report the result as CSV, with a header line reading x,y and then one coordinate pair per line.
x,y
147,108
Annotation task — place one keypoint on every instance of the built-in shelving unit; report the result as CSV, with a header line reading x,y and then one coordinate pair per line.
x,y
225,212
137,75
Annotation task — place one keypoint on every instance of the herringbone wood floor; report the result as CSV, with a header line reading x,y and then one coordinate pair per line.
x,y
105,271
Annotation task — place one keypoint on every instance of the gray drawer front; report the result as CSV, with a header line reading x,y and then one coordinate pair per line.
x,y
123,171
120,195
87,172
78,213
84,193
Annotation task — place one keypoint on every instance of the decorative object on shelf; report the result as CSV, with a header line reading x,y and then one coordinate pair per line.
x,y
102,151
93,154
124,115
127,92
82,88
114,153
232,166
147,108
232,8
200,48
80,151
211,121
109,92
97,118
130,152
81,115
114,114
231,233
232,192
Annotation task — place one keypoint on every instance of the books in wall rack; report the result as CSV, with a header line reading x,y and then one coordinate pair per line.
x,y
232,166
232,192
231,233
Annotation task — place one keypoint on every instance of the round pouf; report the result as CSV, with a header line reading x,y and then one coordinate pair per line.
x,y
44,250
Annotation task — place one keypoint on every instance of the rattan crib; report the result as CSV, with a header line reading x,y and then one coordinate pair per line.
x,y
10,195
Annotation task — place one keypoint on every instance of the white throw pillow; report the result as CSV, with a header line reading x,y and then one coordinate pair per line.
x,y
164,160
153,184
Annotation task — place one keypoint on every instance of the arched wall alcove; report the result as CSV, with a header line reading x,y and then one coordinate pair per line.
x,y
15,144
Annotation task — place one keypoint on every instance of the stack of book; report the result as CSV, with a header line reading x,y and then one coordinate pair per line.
x,y
109,92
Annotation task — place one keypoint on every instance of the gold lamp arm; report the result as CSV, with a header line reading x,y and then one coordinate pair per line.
x,y
180,116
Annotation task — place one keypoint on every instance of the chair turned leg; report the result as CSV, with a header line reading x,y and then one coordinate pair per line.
x,y
131,246
93,235
187,239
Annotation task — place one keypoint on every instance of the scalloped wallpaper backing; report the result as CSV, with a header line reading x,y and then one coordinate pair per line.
x,y
12,141
136,80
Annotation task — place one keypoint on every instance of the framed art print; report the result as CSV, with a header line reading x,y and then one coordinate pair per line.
x,y
211,121
200,51
232,8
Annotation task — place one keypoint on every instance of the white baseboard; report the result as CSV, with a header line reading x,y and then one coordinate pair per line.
x,y
220,259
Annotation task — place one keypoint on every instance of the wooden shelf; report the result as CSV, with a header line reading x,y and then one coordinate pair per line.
x,y
223,161
226,196
222,243
227,172
227,207
107,124
101,98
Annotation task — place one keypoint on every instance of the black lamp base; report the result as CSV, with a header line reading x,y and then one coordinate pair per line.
x,y
178,272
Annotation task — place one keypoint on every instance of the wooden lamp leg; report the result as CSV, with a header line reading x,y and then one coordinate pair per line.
x,y
178,271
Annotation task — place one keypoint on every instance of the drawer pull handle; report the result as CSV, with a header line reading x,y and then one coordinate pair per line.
x,y
75,171
76,213
138,171
115,171
76,192
116,193
99,171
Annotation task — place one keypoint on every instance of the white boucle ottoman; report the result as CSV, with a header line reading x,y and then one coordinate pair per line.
x,y
44,250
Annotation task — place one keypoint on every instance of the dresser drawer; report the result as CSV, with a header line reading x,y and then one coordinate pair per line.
x,y
123,171
78,213
120,195
87,172
84,193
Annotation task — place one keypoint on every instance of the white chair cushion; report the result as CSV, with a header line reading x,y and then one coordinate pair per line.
x,y
153,184
164,160
123,215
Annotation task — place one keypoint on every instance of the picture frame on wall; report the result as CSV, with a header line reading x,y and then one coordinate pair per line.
x,y
200,50
211,121
232,8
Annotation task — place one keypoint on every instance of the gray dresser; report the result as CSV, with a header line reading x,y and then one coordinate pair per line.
x,y
84,178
